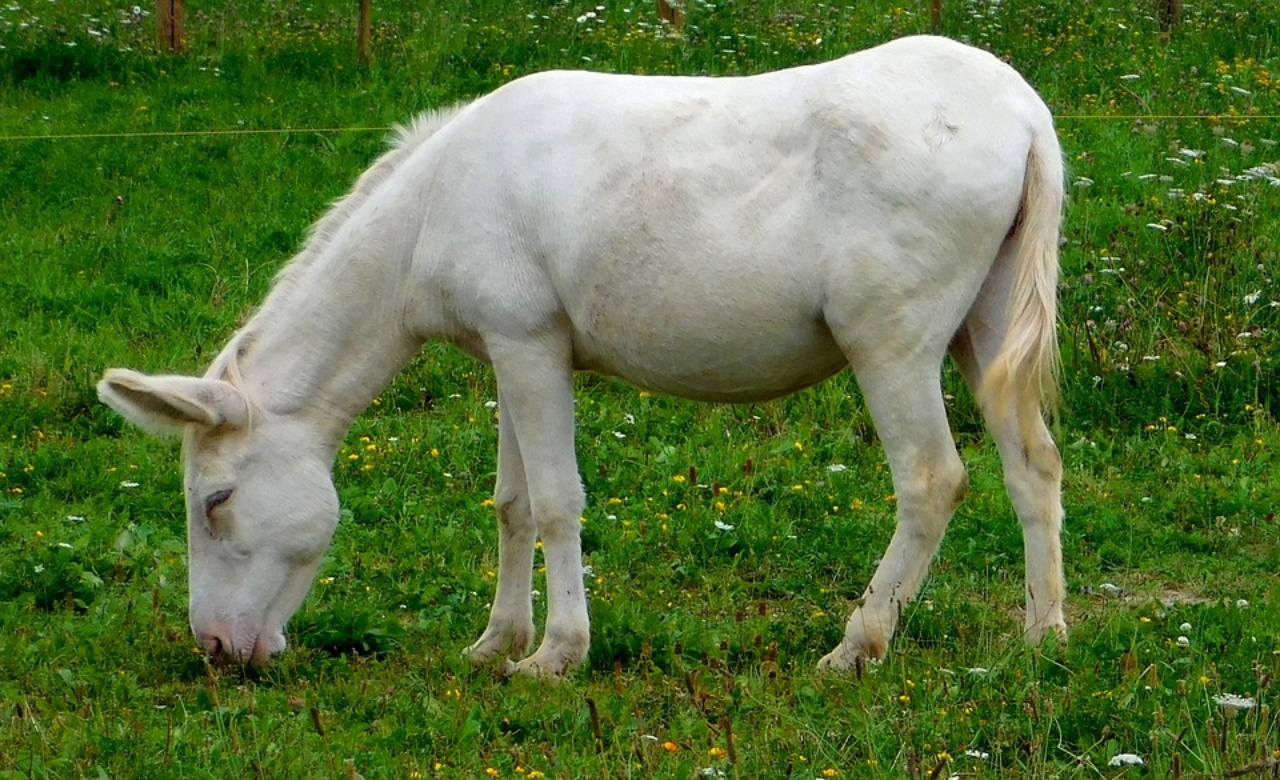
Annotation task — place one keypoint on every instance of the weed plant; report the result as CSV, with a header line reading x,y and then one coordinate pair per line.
x,y
147,200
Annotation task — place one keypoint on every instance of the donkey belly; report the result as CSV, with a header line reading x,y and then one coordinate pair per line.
x,y
709,352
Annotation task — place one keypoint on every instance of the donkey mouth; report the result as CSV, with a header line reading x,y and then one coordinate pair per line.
x,y
255,650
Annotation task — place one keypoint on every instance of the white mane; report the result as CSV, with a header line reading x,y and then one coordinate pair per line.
x,y
403,140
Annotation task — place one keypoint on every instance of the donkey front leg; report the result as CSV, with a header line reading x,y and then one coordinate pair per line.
x,y
510,631
536,383
929,481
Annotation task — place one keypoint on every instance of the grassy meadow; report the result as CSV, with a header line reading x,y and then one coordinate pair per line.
x,y
147,200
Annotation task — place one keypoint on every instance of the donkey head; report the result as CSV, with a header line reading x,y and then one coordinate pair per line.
x,y
261,506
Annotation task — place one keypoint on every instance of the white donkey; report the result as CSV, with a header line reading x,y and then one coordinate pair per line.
x,y
723,239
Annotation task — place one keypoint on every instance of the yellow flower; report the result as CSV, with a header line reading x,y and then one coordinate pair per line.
x,y
679,478
535,774
830,772
670,746
490,771
716,752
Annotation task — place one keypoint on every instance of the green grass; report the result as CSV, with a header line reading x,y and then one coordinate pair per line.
x,y
147,251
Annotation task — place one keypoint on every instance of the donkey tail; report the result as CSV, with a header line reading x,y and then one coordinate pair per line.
x,y
1024,372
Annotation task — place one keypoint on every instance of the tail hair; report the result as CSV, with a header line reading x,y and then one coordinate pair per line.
x,y
1026,369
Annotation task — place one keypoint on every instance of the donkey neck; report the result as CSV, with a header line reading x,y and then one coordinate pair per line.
x,y
331,334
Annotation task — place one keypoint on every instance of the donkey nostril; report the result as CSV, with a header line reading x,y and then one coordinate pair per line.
x,y
213,646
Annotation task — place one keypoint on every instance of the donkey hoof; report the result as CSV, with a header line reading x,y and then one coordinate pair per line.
x,y
849,655
502,644
838,660
537,668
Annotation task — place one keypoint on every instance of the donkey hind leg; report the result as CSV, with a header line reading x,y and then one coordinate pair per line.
x,y
1033,478
510,631
536,383
929,480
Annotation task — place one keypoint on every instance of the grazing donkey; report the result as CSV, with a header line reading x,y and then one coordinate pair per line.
x,y
722,239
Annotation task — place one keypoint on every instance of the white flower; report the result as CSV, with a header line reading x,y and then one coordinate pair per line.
x,y
1111,589
491,404
1185,628
1183,643
979,754
1130,77
619,435
1242,603
1157,226
128,484
722,526
1126,759
1252,297
836,468
1194,154
589,15
1230,701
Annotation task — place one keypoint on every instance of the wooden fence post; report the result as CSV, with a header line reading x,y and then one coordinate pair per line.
x,y
365,30
673,12
1170,13
171,25
935,15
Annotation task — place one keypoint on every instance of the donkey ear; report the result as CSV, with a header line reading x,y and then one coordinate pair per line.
x,y
167,404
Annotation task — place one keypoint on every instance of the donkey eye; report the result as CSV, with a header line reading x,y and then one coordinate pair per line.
x,y
215,500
